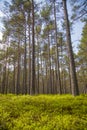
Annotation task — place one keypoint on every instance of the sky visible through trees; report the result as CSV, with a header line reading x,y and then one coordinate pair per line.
x,y
39,51
43,64
77,27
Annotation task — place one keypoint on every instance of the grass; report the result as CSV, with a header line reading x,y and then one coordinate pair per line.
x,y
43,112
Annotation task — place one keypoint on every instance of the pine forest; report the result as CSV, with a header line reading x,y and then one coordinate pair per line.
x,y
43,64
36,54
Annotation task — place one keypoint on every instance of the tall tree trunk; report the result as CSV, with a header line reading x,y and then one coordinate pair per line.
x,y
7,71
4,89
14,82
25,65
74,83
57,55
47,87
8,89
64,83
70,84
49,62
42,75
33,52
38,65
29,74
18,69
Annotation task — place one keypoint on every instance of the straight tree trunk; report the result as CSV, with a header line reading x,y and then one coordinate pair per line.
x,y
29,75
70,79
7,72
4,80
49,62
14,73
38,66
42,75
18,70
25,65
33,52
47,91
57,55
75,90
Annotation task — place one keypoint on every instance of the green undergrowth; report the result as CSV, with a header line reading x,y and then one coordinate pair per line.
x,y
43,112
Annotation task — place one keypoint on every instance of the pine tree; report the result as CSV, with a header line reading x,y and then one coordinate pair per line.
x,y
74,82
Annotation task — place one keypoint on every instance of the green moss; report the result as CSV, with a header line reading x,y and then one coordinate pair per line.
x,y
43,112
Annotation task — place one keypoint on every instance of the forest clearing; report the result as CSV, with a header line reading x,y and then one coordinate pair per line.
x,y
43,112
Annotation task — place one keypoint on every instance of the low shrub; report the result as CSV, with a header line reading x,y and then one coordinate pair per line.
x,y
43,112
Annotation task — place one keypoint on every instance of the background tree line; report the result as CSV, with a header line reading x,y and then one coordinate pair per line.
x,y
37,56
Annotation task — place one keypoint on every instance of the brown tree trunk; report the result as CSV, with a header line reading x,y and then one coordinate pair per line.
x,y
33,53
25,65
14,82
4,89
38,66
18,70
29,71
49,63
58,82
74,83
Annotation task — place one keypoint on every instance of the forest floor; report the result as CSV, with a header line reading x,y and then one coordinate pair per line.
x,y
43,112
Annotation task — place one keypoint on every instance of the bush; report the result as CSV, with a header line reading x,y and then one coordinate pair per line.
x,y
43,112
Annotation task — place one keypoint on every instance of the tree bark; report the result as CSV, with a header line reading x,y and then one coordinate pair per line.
x,y
49,63
75,90
29,71
18,69
25,65
33,52
58,82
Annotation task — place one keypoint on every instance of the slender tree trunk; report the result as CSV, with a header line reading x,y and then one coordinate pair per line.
x,y
29,87
64,82
61,59
38,66
46,80
14,82
4,80
7,72
33,52
52,78
42,75
50,82
57,55
29,58
74,83
7,89
25,66
18,69
70,79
